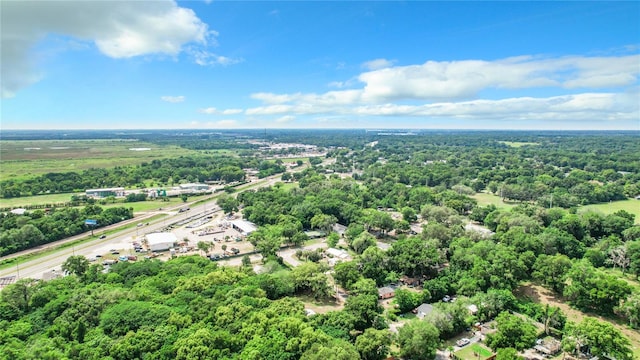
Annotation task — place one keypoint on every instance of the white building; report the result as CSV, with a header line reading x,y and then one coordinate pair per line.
x,y
102,193
160,241
194,187
244,227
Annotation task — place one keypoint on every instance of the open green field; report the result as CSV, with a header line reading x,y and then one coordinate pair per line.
x,y
517,144
485,199
472,351
36,200
630,205
26,158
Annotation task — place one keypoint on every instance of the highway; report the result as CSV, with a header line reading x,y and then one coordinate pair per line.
x,y
121,241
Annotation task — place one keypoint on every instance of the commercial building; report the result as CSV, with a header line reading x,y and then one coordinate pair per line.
x,y
194,187
244,227
103,193
160,241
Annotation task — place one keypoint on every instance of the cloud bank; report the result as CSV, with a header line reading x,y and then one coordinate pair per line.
x,y
590,88
118,29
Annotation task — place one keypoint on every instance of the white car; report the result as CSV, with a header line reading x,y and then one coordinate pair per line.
x,y
463,342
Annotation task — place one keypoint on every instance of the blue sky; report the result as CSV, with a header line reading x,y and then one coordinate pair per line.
x,y
270,64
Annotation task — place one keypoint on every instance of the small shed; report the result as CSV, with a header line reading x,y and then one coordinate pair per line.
x,y
161,241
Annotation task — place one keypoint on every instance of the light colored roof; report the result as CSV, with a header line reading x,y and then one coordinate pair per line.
x,y
160,238
472,308
107,189
385,290
192,185
18,211
424,309
244,225
337,253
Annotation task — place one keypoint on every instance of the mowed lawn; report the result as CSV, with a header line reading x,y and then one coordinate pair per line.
x,y
630,205
485,199
474,351
28,158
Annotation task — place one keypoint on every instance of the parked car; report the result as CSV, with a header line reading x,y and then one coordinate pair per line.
x,y
132,258
235,251
115,252
463,342
123,258
103,236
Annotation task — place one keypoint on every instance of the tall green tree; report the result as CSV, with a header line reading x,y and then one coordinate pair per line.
x,y
418,340
77,265
513,331
599,337
374,344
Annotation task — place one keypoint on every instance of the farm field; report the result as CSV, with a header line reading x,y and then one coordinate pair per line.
x,y
485,199
27,158
630,205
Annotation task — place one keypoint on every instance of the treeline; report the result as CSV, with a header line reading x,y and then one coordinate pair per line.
x,y
34,228
554,171
165,172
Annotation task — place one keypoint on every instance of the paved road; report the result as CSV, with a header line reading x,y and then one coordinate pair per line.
x,y
36,268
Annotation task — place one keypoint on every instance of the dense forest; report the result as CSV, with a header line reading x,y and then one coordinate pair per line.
x,y
20,232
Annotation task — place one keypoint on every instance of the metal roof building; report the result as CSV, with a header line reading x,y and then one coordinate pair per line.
x,y
245,227
160,241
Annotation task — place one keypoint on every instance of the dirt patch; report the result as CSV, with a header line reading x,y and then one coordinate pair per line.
x,y
320,306
539,294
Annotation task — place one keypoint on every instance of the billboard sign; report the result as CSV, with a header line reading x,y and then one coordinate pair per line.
x,y
91,222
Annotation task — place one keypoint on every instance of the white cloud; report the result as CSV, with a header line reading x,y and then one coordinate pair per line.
x,y
378,64
450,90
465,79
285,119
119,29
214,111
173,99
205,58
587,106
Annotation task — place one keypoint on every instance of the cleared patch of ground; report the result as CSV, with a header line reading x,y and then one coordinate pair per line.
x,y
485,199
320,306
543,296
517,144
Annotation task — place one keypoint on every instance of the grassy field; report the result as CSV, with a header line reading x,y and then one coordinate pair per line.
x,y
517,144
36,200
630,205
485,199
26,158
472,351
